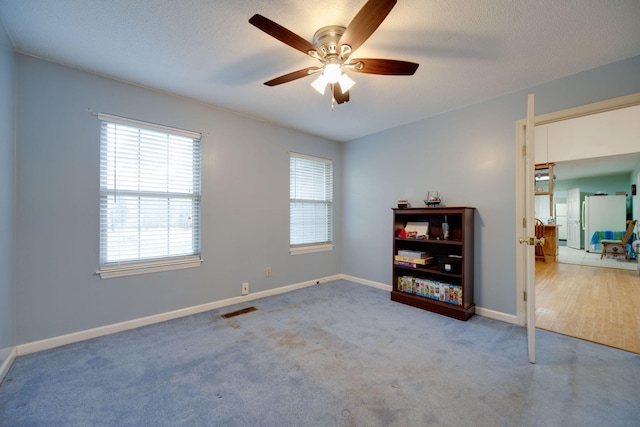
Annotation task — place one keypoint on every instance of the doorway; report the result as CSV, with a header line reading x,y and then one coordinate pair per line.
x,y
576,181
609,105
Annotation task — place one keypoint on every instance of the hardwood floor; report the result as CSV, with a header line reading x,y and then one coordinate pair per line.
x,y
595,304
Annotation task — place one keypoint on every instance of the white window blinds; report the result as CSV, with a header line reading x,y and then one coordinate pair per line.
x,y
149,196
310,200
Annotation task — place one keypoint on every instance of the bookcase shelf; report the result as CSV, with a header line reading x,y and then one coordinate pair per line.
x,y
445,284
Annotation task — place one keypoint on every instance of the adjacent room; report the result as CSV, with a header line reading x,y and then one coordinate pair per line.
x,y
582,199
293,213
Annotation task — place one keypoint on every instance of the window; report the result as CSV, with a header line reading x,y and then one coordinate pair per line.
x,y
149,197
310,204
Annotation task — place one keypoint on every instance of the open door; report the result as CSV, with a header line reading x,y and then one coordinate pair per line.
x,y
574,227
530,259
525,196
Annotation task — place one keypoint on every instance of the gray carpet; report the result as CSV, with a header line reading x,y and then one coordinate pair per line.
x,y
338,354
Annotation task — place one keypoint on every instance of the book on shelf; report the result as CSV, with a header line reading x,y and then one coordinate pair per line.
x,y
431,289
407,264
421,261
412,254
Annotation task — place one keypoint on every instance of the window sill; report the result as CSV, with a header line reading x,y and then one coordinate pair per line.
x,y
299,250
131,269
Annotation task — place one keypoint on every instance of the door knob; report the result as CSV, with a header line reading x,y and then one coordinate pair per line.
x,y
533,241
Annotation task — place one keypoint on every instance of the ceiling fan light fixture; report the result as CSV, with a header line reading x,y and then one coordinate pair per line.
x,y
332,73
346,83
320,84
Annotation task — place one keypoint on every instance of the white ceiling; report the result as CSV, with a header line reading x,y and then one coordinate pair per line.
x,y
468,50
597,167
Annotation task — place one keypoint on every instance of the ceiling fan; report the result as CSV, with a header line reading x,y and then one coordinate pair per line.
x,y
333,45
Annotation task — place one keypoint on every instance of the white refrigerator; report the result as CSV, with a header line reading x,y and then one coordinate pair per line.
x,y
602,213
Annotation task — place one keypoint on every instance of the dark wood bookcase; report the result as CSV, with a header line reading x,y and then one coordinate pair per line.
x,y
451,271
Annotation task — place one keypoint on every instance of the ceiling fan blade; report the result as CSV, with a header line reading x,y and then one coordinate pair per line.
x,y
285,36
365,23
387,67
292,76
340,97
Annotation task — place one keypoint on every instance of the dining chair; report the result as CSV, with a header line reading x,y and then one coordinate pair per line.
x,y
622,243
539,233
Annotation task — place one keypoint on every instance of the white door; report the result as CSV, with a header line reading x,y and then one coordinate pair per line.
x,y
526,237
573,218
530,259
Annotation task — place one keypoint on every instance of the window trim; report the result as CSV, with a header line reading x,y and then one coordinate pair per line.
x,y
307,248
110,271
136,267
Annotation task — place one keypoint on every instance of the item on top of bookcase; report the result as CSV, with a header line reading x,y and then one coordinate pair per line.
x,y
403,203
433,198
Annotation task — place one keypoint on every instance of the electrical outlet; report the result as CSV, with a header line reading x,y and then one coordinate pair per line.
x,y
268,271
245,289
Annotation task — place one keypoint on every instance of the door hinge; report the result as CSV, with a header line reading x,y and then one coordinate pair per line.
x,y
524,222
524,295
524,150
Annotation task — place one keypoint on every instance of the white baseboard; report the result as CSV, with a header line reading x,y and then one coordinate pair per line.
x,y
61,340
497,315
484,312
366,282
11,355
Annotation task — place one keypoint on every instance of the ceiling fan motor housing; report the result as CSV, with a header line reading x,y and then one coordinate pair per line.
x,y
326,39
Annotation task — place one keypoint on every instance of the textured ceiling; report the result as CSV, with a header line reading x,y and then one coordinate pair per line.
x,y
597,167
468,50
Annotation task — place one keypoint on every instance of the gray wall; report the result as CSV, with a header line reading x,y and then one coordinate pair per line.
x,y
7,197
245,208
469,156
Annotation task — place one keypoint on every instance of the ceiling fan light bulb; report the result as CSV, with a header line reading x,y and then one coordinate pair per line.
x,y
332,73
345,83
320,84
